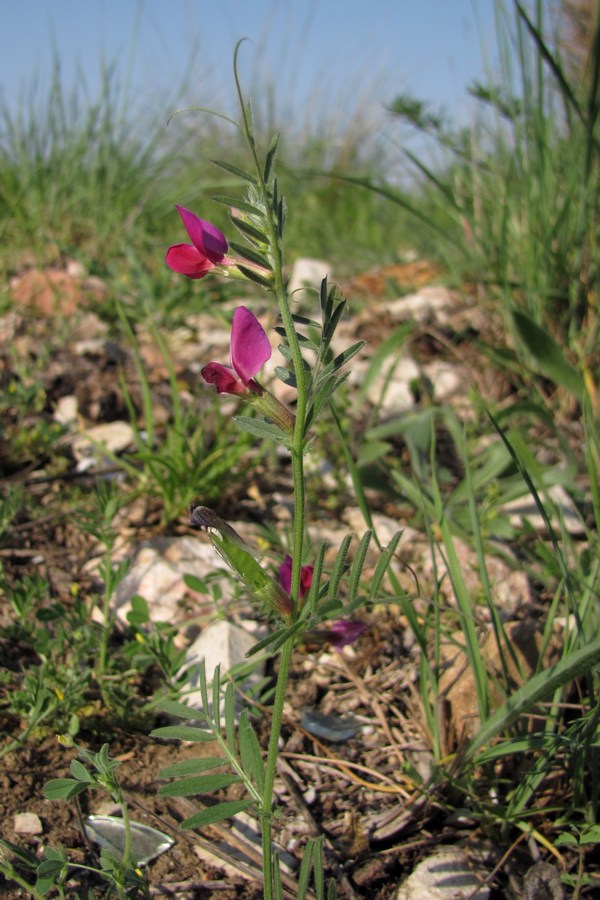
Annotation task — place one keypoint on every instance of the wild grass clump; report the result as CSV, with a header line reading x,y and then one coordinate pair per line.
x,y
65,153
515,206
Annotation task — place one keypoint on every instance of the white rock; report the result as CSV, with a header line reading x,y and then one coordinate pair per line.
x,y
115,436
65,411
90,327
524,509
27,823
385,526
510,588
75,268
221,643
422,306
391,388
446,875
156,573
307,273
445,379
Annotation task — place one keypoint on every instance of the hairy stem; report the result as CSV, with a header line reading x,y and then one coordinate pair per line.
x,y
271,766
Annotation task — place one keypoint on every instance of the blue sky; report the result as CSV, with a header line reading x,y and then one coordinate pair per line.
x,y
325,54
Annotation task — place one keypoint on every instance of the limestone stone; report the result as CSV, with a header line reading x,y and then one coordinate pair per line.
x,y
157,571
309,273
27,823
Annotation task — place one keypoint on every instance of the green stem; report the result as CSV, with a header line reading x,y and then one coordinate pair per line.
x,y
271,766
280,291
12,875
127,848
105,626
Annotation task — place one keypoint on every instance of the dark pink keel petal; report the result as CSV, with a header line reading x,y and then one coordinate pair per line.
x,y
205,236
306,576
285,576
186,260
223,378
250,347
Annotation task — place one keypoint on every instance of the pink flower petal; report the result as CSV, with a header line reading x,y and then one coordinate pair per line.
x,y
250,347
343,632
186,260
223,378
205,236
285,576
306,576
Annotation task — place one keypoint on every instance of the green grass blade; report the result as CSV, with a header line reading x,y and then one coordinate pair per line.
x,y
181,711
540,687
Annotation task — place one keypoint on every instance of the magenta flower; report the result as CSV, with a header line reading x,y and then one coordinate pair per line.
x,y
249,351
343,632
339,633
207,250
285,576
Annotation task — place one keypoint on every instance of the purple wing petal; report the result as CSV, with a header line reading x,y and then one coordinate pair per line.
x,y
186,260
344,632
205,236
223,378
285,574
250,347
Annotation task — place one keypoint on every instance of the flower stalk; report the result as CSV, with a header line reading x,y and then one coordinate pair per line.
x,y
279,289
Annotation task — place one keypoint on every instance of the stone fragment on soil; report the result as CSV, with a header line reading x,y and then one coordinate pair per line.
x,y
524,509
307,272
426,304
87,447
65,411
542,882
448,874
385,526
156,573
444,379
89,327
457,682
27,823
509,586
392,387
54,291
222,644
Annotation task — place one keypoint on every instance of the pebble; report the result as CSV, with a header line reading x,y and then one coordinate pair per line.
x,y
27,823
115,436
446,875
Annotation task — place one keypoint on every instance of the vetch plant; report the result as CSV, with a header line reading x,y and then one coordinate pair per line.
x,y
302,597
